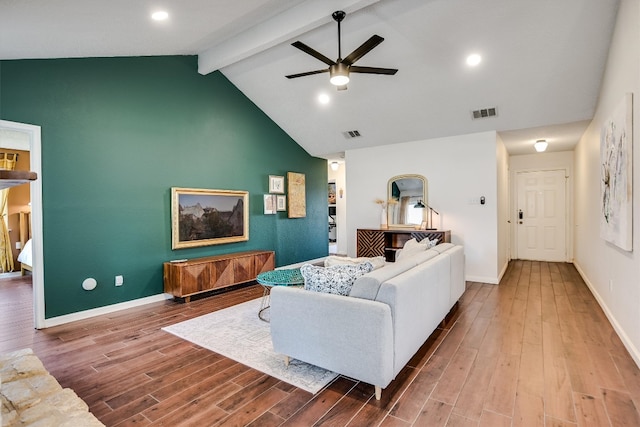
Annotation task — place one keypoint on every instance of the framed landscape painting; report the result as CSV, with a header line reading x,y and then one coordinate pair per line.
x,y
202,217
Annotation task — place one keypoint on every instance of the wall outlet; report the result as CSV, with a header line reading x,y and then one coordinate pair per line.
x,y
610,285
119,280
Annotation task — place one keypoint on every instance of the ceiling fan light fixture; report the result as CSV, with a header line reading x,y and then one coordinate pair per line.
x,y
339,74
540,145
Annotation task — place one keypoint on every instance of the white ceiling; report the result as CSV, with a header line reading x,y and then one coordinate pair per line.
x,y
542,66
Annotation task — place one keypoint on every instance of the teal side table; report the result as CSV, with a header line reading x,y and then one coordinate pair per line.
x,y
269,279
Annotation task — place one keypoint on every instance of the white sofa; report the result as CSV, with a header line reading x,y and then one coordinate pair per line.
x,y
371,334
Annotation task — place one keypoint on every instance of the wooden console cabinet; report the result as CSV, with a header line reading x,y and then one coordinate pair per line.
x,y
376,242
186,278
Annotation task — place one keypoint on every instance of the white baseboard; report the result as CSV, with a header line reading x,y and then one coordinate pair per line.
x,y
633,351
490,280
504,270
81,315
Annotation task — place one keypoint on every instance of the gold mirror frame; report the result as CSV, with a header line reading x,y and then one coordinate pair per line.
x,y
394,209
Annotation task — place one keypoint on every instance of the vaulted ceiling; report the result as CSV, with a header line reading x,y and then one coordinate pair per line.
x,y
542,61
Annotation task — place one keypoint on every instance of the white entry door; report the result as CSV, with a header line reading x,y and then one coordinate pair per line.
x,y
541,216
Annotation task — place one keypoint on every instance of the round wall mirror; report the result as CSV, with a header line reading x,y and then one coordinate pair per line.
x,y
408,198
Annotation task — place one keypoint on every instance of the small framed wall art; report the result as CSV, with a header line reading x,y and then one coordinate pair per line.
x,y
281,203
276,184
269,204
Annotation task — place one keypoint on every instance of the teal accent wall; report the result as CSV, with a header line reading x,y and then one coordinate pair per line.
x,y
117,134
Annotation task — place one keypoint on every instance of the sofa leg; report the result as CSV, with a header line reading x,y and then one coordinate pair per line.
x,y
378,392
287,359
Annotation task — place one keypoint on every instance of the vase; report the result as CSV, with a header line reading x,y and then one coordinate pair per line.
x,y
383,219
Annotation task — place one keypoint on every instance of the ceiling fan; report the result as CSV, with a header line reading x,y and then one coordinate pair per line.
x,y
340,68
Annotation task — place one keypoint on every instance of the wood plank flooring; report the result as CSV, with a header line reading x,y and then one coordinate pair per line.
x,y
536,350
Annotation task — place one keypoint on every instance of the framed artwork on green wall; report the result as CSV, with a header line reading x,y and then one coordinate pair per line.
x,y
297,195
276,184
269,204
281,203
201,217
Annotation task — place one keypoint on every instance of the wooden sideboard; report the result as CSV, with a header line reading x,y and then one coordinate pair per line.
x,y
378,242
189,277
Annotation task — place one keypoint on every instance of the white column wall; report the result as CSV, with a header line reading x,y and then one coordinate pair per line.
x,y
612,273
503,255
457,169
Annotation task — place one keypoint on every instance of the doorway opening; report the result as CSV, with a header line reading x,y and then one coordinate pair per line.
x,y
26,137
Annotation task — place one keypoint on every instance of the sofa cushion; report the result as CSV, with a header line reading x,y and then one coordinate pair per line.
x,y
443,247
367,286
377,262
337,279
421,257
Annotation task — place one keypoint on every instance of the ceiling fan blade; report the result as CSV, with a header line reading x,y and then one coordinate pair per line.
x,y
308,73
364,48
372,70
306,49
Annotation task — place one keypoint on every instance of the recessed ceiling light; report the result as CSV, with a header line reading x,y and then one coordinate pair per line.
x,y
323,98
540,145
160,15
473,59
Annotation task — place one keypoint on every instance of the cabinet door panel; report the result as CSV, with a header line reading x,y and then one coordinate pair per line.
x,y
370,243
264,262
195,278
244,269
222,273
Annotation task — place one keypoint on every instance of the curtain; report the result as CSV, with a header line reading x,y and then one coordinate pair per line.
x,y
404,202
8,162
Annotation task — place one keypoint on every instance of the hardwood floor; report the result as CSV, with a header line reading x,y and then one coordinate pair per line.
x,y
536,350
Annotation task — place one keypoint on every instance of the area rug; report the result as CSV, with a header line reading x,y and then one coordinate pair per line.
x,y
237,333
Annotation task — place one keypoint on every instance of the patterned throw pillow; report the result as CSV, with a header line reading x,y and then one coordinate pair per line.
x,y
337,279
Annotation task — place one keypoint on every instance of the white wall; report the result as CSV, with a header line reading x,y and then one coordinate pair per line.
x,y
539,162
601,263
457,169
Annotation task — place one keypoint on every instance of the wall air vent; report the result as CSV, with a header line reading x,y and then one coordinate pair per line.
x,y
351,134
484,113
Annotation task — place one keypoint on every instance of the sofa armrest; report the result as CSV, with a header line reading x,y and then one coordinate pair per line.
x,y
350,336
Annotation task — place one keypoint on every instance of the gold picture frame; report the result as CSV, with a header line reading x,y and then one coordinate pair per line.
x,y
202,217
297,195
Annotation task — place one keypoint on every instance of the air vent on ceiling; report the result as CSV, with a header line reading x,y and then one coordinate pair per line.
x,y
484,113
351,134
